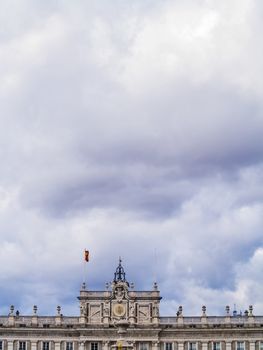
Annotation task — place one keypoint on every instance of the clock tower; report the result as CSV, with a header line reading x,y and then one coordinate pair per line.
x,y
120,304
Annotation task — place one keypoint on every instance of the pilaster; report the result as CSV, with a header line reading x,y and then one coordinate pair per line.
x,y
181,345
33,345
10,345
81,345
252,345
228,345
155,345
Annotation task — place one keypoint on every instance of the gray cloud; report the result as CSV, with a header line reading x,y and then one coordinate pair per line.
x,y
128,129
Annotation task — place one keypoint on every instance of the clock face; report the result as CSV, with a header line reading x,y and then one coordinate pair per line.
x,y
119,310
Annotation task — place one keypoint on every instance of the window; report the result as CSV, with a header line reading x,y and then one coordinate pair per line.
x,y
1,345
240,345
45,345
22,345
260,345
216,346
69,345
94,346
143,346
192,346
169,346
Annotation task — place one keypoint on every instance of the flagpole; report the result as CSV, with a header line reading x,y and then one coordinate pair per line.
x,y
84,274
85,261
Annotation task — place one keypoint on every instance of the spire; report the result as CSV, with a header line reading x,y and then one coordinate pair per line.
x,y
119,275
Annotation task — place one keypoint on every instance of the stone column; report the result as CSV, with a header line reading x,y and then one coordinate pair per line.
x,y
252,345
228,345
155,345
10,345
33,345
204,346
57,345
105,345
81,345
180,345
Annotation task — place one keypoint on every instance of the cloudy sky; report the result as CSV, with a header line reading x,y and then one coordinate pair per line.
x,y
132,128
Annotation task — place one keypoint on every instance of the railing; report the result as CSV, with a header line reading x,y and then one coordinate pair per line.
x,y
41,321
46,320
213,320
70,320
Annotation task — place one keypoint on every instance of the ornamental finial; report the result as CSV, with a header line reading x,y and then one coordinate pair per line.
x,y
119,275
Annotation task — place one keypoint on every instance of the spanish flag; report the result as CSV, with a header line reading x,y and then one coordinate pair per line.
x,y
86,255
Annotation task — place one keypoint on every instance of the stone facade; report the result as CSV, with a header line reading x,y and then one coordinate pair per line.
x,y
121,318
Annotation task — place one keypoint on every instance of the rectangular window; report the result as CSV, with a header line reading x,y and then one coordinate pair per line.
x,y
168,346
192,346
1,345
45,345
216,346
240,345
69,345
22,345
143,346
260,345
94,346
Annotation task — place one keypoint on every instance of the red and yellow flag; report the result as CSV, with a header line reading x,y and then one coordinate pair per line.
x,y
86,255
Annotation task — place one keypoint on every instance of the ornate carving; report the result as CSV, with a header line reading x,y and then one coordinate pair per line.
x,y
132,310
155,310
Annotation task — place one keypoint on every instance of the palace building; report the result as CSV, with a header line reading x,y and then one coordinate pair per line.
x,y
122,318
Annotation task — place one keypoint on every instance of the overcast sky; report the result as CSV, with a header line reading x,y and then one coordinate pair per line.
x,y
132,128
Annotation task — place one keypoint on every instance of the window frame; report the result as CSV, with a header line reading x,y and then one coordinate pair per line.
x,y
171,345
190,345
94,345
22,345
238,342
217,342
143,346
45,343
